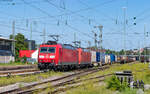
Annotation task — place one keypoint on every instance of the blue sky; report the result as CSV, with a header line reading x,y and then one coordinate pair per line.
x,y
77,14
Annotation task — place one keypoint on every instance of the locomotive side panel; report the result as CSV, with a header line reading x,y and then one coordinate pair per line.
x,y
68,56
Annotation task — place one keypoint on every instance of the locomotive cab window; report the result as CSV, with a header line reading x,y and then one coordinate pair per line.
x,y
51,49
43,49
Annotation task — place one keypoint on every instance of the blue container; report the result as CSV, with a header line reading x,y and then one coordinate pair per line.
x,y
97,56
100,57
112,58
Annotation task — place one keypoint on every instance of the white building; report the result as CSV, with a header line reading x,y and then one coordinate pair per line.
x,y
6,53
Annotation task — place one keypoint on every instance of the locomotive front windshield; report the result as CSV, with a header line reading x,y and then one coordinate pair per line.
x,y
51,50
47,49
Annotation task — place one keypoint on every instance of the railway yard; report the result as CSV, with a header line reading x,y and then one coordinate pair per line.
x,y
70,82
74,47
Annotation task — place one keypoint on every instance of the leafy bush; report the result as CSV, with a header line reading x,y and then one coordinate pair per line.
x,y
115,84
24,59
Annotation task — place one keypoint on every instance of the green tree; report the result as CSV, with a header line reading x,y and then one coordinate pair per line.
x,y
108,51
121,52
20,44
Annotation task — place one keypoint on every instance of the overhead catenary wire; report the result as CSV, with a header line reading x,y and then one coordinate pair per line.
x,y
108,2
73,12
19,28
20,3
88,34
94,9
88,8
44,12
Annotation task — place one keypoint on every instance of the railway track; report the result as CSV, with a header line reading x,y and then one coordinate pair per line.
x,y
66,84
20,72
57,82
74,84
26,70
17,67
30,88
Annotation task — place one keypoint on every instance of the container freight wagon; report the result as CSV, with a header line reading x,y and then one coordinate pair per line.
x,y
97,56
94,58
100,58
107,59
112,58
124,59
116,58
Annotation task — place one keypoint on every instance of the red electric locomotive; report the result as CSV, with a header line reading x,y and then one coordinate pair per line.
x,y
55,56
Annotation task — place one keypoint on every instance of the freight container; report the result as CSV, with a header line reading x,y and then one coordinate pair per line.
x,y
102,58
97,56
93,56
116,58
112,58
124,59
137,58
107,59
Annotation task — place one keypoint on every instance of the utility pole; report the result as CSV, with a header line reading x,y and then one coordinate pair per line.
x,y
95,39
89,43
76,43
139,51
75,40
124,10
44,35
13,37
100,27
30,45
144,43
30,41
100,37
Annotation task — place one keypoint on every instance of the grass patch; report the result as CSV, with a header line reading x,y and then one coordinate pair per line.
x,y
113,69
89,87
92,88
14,64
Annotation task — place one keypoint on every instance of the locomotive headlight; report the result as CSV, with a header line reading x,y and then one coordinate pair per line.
x,y
41,56
52,56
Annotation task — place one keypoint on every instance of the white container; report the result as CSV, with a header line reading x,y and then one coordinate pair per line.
x,y
93,56
116,58
107,59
